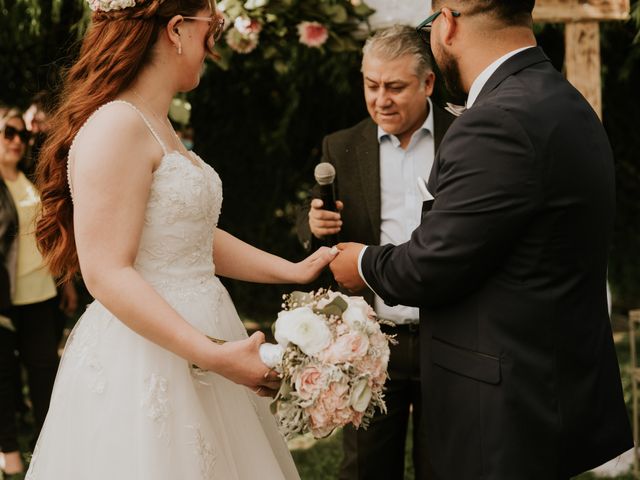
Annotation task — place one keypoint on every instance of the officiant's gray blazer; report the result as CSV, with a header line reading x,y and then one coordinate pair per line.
x,y
508,267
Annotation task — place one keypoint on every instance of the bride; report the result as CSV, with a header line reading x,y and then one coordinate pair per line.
x,y
126,204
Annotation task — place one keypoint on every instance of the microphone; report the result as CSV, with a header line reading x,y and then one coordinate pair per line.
x,y
325,174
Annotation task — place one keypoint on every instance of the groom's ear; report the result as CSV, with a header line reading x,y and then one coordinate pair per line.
x,y
449,27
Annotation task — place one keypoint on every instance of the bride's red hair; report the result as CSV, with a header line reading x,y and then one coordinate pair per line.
x,y
116,46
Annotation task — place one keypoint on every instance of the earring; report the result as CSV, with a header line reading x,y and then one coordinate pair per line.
x,y
179,49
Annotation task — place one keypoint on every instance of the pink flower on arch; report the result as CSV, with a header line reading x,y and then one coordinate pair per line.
x,y
312,34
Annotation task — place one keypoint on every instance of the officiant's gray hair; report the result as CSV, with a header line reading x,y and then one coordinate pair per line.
x,y
397,41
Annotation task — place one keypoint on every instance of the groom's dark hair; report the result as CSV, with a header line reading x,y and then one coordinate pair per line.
x,y
509,12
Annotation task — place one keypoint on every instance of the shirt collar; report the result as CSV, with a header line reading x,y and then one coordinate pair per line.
x,y
478,83
427,126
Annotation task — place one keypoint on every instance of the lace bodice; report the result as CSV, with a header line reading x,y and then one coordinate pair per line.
x,y
180,219
182,213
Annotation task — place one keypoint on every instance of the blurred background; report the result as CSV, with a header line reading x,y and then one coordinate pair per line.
x,y
288,74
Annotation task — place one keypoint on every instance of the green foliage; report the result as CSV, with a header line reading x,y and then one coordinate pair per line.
x,y
272,28
36,41
620,49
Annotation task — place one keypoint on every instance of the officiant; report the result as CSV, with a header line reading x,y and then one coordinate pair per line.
x,y
378,162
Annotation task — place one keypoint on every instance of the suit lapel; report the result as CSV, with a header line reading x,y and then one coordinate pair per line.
x,y
368,160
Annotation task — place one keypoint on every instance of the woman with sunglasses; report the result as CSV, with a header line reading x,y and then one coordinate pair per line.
x,y
141,392
27,295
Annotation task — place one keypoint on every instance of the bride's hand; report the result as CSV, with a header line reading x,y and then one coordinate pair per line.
x,y
310,268
240,363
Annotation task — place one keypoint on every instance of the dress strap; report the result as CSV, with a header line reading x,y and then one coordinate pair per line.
x,y
144,118
131,105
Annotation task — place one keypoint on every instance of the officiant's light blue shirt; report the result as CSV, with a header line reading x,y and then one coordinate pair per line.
x,y
401,202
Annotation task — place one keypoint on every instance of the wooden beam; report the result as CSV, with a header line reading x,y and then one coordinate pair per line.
x,y
582,60
562,11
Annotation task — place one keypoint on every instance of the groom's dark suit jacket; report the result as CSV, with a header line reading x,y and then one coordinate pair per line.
x,y
520,376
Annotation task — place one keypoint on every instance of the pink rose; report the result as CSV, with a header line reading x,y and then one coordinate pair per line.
x,y
336,396
378,340
308,383
312,34
376,367
247,26
319,421
331,409
346,348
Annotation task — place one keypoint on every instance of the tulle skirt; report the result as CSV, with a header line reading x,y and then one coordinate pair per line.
x,y
124,408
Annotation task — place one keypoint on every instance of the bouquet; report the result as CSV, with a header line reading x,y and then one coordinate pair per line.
x,y
332,357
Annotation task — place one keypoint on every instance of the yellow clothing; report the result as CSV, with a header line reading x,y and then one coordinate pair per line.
x,y
34,283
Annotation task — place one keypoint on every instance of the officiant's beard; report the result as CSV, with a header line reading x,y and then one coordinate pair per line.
x,y
451,75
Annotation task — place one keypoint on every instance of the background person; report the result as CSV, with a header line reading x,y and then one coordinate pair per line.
x,y
32,293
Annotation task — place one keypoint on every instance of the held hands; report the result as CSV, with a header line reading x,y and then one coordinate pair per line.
x,y
242,365
324,222
310,268
345,267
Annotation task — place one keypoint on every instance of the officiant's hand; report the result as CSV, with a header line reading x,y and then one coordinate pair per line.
x,y
324,222
240,362
345,267
311,267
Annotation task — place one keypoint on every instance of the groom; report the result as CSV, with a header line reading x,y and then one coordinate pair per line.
x,y
508,266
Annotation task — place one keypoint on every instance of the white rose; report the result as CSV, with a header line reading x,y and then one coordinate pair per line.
x,y
360,395
354,317
303,328
358,315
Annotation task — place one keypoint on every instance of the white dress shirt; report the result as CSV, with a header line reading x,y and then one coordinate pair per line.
x,y
481,79
401,203
381,308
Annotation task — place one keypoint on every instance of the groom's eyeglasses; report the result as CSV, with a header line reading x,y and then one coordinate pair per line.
x,y
424,29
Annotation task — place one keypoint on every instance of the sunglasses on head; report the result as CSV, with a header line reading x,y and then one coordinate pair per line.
x,y
10,133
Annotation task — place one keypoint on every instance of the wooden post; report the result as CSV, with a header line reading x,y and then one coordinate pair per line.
x,y
582,60
582,38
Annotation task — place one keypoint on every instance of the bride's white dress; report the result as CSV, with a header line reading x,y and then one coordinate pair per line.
x,y
123,407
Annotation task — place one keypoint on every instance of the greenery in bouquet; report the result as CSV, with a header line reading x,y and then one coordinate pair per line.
x,y
281,31
334,363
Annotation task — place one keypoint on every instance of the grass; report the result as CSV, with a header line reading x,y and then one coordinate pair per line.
x,y
321,461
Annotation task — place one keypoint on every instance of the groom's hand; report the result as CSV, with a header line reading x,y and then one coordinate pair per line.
x,y
345,267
